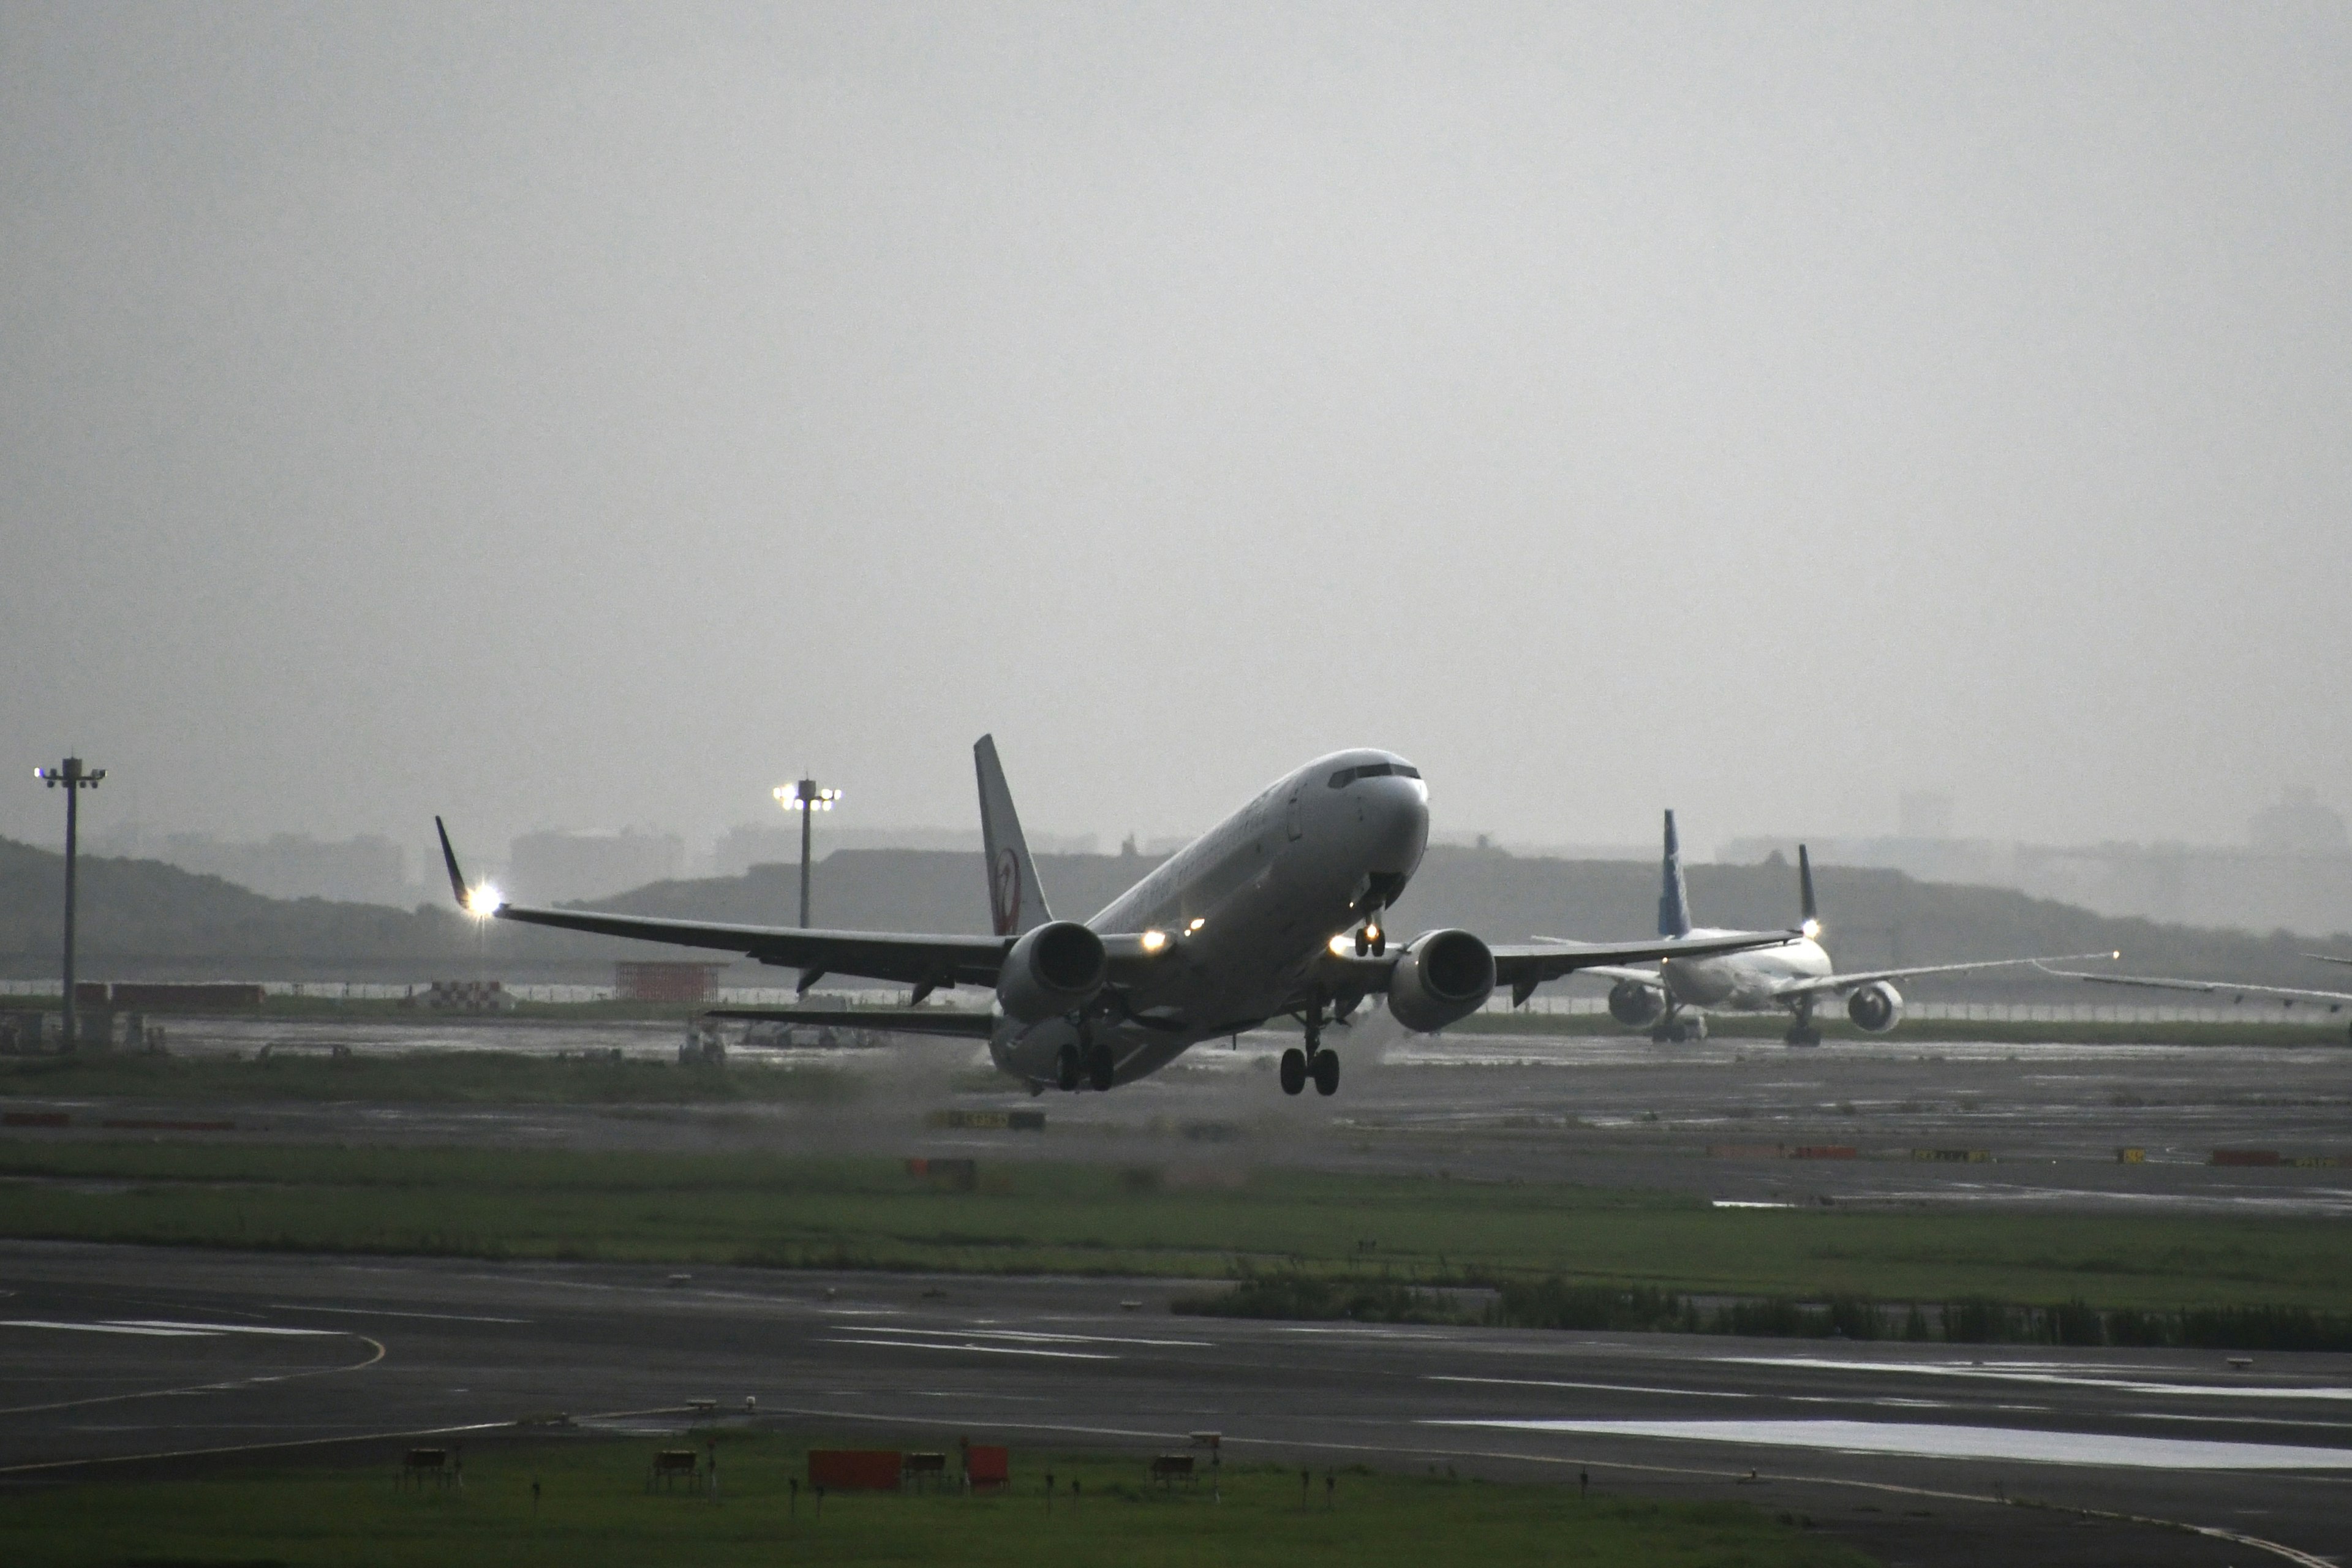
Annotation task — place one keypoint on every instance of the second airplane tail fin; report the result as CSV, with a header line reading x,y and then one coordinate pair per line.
x,y
1812,914
1673,898
1015,899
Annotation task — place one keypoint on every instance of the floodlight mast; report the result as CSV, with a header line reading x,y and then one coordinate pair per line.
x,y
807,799
75,779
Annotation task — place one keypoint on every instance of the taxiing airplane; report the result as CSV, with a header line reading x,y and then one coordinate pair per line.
x,y
1274,911
1795,975
2285,995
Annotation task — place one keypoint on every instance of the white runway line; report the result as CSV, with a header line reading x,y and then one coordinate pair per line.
x,y
1038,1337
1928,1441
159,1333
981,1350
388,1312
169,1325
2017,1371
1596,1387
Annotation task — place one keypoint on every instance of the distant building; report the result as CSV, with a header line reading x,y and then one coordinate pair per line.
x,y
2295,872
2298,824
554,868
750,843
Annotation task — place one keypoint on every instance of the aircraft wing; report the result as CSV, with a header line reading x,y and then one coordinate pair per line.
x,y
1838,984
916,960
1650,977
2290,995
2327,958
1520,967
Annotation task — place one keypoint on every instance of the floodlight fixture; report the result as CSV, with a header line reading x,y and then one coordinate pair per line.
x,y
74,778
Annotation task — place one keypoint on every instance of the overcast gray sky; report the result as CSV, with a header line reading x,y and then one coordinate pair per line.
x,y
587,418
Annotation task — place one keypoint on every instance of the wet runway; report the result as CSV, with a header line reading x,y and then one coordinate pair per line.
x,y
1920,1454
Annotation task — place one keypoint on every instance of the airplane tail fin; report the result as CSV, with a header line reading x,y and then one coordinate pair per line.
x,y
1812,914
1673,897
1016,901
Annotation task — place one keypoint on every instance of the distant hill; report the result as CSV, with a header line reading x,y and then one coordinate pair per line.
x,y
145,920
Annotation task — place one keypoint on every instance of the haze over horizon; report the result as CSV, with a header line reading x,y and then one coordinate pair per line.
x,y
570,415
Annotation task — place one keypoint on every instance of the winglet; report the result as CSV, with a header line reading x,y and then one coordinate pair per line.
x,y
449,859
1812,914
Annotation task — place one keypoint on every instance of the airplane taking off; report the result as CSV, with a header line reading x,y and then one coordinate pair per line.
x,y
1796,974
1274,911
2285,995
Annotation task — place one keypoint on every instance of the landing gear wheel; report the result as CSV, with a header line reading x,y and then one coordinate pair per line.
x,y
1293,1070
1066,1070
1100,1070
1678,1033
1804,1035
1662,1034
1327,1072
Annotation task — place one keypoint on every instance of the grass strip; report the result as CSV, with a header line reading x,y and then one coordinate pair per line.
x,y
592,1509
1052,1218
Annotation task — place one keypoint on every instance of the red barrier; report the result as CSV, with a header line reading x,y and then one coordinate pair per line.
x,y
987,1467
35,1119
1822,1152
855,1469
2245,1157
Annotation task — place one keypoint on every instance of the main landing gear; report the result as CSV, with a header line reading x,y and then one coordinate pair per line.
x,y
1088,1058
1672,1030
1317,1061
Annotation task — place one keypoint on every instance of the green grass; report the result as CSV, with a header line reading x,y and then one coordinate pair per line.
x,y
593,1510
420,1077
1038,1217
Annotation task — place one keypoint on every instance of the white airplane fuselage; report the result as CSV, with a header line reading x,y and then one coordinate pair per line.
x,y
1743,982
1248,907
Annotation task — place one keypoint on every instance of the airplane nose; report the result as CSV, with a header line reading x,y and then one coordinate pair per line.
x,y
1396,817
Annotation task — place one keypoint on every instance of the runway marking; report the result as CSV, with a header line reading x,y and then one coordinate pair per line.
x,y
221,1387
1926,1440
2015,1371
152,1331
1596,1387
168,1325
1046,1338
388,1312
980,1350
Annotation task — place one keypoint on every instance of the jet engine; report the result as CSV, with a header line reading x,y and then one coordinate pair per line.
x,y
1053,969
1442,977
1877,1007
1634,1004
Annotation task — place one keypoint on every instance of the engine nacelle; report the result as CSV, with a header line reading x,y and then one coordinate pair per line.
x,y
1442,978
1634,1004
1877,1007
1055,968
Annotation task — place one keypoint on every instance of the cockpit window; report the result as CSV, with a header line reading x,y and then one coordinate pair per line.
x,y
1347,776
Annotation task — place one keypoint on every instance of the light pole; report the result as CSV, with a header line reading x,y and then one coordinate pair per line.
x,y
808,800
70,773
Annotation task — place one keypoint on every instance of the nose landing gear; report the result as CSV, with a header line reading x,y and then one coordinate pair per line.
x,y
1371,942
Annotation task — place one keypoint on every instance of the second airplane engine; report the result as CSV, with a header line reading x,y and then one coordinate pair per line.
x,y
1634,1004
1051,970
1877,1007
1442,978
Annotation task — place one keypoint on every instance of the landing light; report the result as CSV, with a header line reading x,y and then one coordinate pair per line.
x,y
482,902
1371,933
1343,945
1198,921
1812,927
1153,941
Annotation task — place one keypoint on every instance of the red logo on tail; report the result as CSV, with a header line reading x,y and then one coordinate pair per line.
x,y
1004,886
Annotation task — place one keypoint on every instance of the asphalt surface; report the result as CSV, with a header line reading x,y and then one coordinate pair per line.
x,y
164,1361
